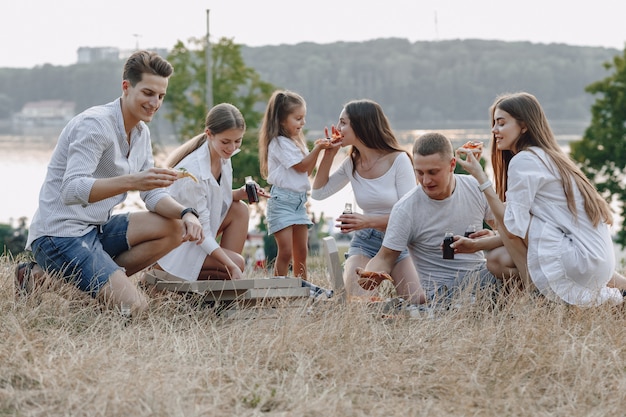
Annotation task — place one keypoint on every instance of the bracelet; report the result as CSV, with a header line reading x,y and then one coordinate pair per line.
x,y
482,187
189,210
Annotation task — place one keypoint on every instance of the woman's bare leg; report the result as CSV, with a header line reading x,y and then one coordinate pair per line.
x,y
407,282
234,228
518,251
350,278
213,269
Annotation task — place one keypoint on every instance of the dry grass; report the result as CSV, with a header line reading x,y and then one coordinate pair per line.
x,y
60,355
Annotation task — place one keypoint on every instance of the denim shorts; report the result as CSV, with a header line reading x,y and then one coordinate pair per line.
x,y
367,242
87,261
286,208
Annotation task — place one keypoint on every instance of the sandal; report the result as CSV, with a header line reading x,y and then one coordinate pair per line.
x,y
23,278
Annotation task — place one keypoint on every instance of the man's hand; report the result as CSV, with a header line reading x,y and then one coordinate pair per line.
x,y
154,178
369,280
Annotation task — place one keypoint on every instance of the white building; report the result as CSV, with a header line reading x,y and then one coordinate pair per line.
x,y
45,113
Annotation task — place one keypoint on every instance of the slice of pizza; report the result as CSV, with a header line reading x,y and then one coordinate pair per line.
x,y
475,146
334,136
182,173
369,280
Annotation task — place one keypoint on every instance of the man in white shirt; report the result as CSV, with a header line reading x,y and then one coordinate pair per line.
x,y
101,154
442,202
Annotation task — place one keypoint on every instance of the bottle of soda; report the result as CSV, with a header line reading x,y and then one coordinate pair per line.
x,y
470,229
448,252
347,210
253,197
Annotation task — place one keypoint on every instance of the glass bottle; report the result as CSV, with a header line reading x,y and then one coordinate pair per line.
x,y
448,252
253,197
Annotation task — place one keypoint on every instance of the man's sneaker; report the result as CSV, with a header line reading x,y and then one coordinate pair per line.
x,y
23,279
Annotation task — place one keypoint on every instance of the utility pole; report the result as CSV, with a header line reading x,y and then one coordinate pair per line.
x,y
209,66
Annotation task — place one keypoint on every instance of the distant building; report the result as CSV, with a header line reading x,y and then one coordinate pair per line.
x,y
45,113
87,55
126,53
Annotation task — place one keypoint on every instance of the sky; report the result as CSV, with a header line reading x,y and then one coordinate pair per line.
x,y
36,32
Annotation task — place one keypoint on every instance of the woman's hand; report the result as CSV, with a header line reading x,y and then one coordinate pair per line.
x,y
351,222
234,272
471,164
463,245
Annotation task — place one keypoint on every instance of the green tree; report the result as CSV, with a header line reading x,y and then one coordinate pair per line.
x,y
233,82
13,239
602,150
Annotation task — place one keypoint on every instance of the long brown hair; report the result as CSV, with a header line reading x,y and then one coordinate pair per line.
x,y
371,126
525,108
280,105
220,118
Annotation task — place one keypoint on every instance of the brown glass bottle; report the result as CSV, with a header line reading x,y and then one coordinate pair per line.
x,y
448,252
253,197
347,210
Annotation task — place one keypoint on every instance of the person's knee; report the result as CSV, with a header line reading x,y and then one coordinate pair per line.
x,y
499,264
240,211
173,232
239,260
284,254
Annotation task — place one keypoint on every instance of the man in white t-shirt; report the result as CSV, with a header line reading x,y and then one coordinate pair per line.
x,y
442,202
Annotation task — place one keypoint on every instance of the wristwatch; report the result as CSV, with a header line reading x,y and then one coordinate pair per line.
x,y
189,210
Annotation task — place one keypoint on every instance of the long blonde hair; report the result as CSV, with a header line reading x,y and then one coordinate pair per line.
x,y
525,108
279,107
220,118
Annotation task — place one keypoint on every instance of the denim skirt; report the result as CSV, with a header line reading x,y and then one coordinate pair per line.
x,y
286,208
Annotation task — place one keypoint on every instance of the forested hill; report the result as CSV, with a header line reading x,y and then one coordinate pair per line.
x,y
433,82
416,83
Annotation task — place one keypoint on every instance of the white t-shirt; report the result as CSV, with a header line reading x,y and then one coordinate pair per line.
x,y
374,196
420,223
282,155
568,258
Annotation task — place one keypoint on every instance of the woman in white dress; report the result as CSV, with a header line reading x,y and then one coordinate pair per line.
x,y
218,207
553,222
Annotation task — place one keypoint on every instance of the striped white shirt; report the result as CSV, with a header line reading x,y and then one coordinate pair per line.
x,y
93,145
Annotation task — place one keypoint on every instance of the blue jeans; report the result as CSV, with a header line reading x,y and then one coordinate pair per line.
x,y
87,261
367,242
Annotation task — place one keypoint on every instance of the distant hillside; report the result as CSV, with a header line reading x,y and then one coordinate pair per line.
x,y
418,84
432,82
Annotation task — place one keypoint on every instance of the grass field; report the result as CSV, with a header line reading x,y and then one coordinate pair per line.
x,y
60,355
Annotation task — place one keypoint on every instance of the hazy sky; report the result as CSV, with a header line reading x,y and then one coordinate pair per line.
x,y
34,32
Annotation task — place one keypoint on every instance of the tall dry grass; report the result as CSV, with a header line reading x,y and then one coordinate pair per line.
x,y
60,355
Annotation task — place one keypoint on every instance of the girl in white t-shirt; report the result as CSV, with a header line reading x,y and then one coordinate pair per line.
x,y
380,173
286,164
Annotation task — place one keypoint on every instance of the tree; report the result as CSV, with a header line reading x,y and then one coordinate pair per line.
x,y
602,150
13,239
233,82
